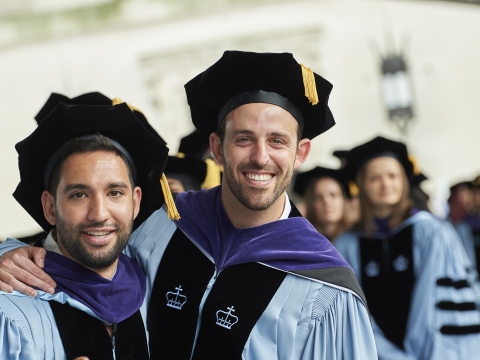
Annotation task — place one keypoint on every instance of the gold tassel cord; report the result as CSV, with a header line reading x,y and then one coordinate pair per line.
x,y
172,211
213,177
117,101
415,164
353,189
309,84
180,155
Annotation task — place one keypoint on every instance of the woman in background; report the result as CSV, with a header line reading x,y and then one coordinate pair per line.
x,y
410,265
325,194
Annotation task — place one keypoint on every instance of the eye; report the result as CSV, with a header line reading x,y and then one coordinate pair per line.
x,y
78,195
277,141
116,193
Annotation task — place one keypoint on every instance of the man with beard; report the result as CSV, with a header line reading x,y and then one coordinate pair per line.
x,y
80,184
242,275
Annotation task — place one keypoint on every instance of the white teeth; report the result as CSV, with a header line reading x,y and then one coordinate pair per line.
x,y
98,233
259,177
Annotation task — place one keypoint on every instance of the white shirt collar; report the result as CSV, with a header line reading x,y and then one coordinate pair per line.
x,y
286,209
50,244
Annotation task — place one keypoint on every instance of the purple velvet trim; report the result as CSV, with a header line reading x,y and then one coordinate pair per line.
x,y
290,244
473,221
111,300
382,223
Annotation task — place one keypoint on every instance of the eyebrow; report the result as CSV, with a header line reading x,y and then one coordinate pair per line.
x,y
69,187
250,132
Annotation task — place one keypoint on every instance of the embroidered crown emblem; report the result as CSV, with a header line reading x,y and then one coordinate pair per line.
x,y
226,319
175,299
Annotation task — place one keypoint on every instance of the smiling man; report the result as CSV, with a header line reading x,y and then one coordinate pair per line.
x,y
242,275
80,185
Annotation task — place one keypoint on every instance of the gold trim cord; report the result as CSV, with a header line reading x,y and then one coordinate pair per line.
x,y
415,164
117,101
353,189
309,84
213,175
172,211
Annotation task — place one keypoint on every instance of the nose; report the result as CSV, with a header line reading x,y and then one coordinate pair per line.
x,y
98,211
260,154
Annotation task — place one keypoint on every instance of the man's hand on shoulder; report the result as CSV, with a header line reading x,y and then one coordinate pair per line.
x,y
21,270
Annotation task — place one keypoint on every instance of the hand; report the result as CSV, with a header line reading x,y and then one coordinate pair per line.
x,y
17,271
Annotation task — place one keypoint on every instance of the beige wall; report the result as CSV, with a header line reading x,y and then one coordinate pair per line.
x,y
147,64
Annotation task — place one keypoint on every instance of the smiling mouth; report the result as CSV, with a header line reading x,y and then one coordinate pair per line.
x,y
98,234
259,177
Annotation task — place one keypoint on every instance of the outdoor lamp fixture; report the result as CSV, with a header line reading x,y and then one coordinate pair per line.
x,y
397,90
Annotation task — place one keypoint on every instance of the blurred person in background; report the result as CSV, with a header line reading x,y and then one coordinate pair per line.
x,y
411,266
192,168
464,217
325,193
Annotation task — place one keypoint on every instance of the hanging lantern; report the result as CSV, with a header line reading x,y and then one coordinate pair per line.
x,y
397,90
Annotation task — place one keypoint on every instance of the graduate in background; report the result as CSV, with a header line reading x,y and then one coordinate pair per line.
x,y
325,193
411,266
193,168
464,217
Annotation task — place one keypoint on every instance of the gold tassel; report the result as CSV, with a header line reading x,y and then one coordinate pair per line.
x,y
172,211
213,175
180,155
415,164
353,189
117,101
309,84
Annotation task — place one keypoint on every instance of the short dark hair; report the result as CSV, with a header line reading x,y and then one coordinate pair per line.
x,y
221,130
77,146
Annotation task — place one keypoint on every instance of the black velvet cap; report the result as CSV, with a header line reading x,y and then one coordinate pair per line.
x,y
462,184
67,122
240,78
378,147
190,170
194,144
303,180
341,154
92,98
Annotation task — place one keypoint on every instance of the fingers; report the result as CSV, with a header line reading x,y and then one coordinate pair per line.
x,y
19,272
38,255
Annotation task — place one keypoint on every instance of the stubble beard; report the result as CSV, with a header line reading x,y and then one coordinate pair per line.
x,y
255,198
70,238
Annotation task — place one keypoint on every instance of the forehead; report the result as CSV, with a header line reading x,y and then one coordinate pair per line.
x,y
260,117
383,164
94,166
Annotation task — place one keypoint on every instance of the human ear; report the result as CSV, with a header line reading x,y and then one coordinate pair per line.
x,y
48,204
137,197
303,149
216,147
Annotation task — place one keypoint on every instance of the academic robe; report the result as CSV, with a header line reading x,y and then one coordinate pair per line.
x,y
419,285
469,232
247,311
70,323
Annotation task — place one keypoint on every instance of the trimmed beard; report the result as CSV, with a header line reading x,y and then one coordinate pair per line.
x,y
253,198
70,238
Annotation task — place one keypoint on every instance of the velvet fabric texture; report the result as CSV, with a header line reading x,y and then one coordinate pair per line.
x,y
289,244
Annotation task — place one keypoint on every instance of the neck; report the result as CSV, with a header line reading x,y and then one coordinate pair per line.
x,y
243,217
382,212
106,273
